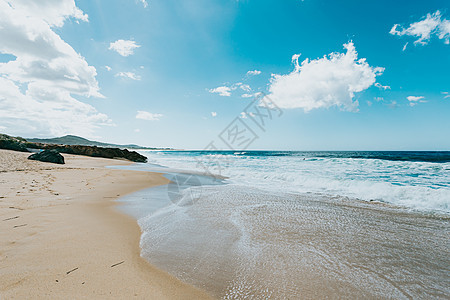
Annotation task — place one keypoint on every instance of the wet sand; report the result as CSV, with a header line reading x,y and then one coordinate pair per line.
x,y
61,237
240,242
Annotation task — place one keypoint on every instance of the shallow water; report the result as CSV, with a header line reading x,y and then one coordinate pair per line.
x,y
234,242
256,239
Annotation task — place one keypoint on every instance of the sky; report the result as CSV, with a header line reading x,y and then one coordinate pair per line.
x,y
296,75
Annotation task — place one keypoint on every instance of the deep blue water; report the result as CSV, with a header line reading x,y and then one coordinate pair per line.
x,y
419,156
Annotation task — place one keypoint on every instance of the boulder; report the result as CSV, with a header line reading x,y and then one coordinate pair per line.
x,y
51,156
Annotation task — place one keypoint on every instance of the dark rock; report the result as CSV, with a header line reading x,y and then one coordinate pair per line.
x,y
95,151
12,143
51,156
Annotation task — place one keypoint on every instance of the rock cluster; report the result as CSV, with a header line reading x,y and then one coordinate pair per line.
x,y
93,151
21,144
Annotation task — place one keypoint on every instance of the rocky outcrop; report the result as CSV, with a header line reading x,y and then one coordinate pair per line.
x,y
20,144
51,156
93,151
12,143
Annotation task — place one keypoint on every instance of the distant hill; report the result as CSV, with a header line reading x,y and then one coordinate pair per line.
x,y
76,140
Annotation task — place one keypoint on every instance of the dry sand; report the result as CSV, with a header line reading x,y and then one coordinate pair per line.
x,y
60,236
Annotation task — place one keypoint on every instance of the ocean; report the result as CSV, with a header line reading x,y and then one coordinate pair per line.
x,y
289,224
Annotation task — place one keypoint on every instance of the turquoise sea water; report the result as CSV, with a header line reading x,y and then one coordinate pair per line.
x,y
418,180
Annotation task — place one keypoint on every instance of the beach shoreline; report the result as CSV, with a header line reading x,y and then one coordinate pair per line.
x,y
61,235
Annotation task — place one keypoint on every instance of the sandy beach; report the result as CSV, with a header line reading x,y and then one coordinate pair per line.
x,y
61,237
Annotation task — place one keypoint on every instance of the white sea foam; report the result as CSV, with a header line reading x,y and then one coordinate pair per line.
x,y
418,185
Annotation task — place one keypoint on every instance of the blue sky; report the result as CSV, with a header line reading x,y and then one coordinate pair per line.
x,y
178,72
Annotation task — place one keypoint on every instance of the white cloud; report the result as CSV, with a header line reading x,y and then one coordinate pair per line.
x,y
253,73
242,86
53,12
37,86
213,114
245,87
243,115
322,83
144,3
432,24
108,68
447,95
404,47
444,31
145,115
378,99
124,47
382,87
129,75
26,115
413,100
223,91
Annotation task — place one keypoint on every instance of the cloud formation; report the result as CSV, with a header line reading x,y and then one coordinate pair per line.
x,y
145,115
414,100
245,87
129,75
53,12
253,73
382,87
430,25
37,86
325,82
124,47
223,91
214,114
